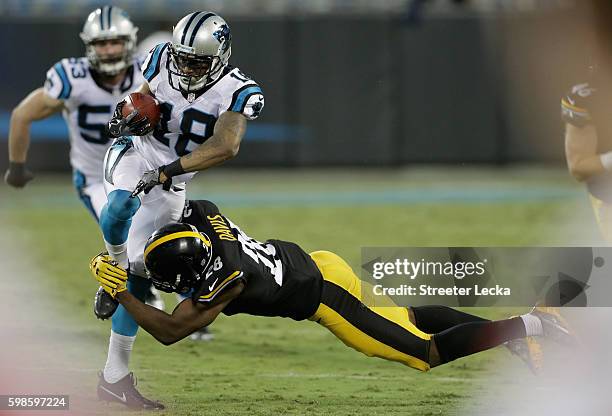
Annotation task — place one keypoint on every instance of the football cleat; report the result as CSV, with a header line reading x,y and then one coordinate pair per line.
x,y
124,392
104,304
529,351
554,325
202,334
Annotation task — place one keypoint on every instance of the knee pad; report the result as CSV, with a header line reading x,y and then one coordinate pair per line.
x,y
116,216
121,205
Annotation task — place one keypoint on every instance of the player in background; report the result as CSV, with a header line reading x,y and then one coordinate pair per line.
x,y
588,147
205,105
228,271
85,90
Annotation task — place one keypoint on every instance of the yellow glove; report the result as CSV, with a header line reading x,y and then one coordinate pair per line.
x,y
107,272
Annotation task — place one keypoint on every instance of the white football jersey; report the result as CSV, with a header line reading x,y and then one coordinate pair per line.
x,y
188,120
89,105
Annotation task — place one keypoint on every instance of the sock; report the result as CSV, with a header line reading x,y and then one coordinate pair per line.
x,y
119,253
433,319
533,325
466,339
119,351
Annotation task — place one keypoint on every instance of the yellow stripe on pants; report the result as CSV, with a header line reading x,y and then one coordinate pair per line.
x,y
335,270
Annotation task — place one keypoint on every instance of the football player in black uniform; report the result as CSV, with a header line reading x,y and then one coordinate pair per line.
x,y
588,144
224,270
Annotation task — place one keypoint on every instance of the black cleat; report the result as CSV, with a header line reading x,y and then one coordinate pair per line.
x,y
124,392
104,304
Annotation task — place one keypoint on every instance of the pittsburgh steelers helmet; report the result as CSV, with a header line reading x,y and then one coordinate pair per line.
x,y
104,23
176,256
200,49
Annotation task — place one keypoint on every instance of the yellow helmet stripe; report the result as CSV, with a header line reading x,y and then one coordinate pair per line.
x,y
175,236
572,107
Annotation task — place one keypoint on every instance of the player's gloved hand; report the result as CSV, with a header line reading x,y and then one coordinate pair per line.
x,y
107,272
150,179
119,126
17,175
575,105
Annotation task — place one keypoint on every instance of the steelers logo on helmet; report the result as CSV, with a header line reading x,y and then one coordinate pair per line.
x,y
110,39
176,256
200,50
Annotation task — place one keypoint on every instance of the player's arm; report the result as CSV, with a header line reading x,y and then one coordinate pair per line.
x,y
187,317
583,161
36,106
221,146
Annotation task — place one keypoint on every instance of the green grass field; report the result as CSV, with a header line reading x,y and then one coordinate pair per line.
x,y
263,366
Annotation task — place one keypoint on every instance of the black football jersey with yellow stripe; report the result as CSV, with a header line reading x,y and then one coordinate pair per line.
x,y
280,278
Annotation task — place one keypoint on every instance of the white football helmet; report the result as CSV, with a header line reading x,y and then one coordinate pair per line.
x,y
109,22
200,50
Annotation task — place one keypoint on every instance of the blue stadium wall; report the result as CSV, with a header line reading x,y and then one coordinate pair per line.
x,y
358,91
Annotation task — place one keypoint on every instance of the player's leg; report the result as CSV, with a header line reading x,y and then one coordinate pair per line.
x,y
377,331
436,318
387,332
90,193
158,208
123,168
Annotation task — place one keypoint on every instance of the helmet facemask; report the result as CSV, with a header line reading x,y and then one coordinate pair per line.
x,y
193,72
176,281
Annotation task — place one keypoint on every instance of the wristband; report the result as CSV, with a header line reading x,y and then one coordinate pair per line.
x,y
173,169
606,160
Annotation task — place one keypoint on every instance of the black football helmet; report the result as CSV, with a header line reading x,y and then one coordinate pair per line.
x,y
175,257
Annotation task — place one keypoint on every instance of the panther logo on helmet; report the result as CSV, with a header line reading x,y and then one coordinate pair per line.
x,y
224,37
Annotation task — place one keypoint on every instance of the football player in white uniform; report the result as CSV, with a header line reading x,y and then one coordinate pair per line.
x,y
85,90
205,105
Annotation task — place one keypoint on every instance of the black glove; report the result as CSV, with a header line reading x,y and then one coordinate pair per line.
x,y
119,126
17,175
576,104
149,180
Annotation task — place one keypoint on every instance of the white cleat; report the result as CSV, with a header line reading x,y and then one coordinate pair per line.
x,y
153,298
203,334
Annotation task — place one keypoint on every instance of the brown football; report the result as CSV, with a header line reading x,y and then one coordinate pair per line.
x,y
145,104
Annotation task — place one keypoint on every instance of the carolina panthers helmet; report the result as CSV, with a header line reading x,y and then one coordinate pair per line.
x,y
175,257
201,47
109,22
